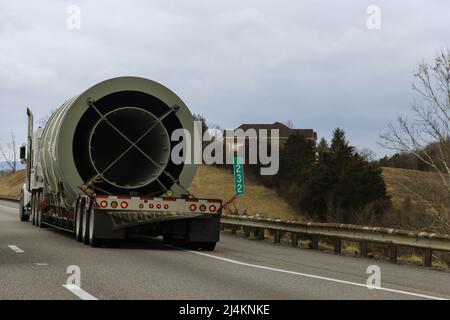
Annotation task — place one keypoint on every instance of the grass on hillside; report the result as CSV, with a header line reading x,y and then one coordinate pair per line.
x,y
398,181
11,184
213,182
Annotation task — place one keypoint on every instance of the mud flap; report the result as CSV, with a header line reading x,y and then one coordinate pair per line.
x,y
204,229
104,227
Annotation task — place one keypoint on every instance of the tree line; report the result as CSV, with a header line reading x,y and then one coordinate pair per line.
x,y
330,181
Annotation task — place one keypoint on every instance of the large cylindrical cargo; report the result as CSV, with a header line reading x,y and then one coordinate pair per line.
x,y
118,133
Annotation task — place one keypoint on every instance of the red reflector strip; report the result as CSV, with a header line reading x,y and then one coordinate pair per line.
x,y
170,199
123,197
101,196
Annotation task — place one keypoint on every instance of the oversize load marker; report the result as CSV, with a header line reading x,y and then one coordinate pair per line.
x,y
238,169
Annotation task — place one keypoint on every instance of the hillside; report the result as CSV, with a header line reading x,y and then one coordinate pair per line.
x,y
212,182
10,185
402,183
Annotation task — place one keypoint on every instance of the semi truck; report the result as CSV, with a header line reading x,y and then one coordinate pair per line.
x,y
101,168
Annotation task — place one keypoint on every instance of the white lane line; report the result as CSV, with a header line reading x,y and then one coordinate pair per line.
x,y
80,293
318,277
16,249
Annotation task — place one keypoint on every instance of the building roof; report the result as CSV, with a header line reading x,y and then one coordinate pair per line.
x,y
284,130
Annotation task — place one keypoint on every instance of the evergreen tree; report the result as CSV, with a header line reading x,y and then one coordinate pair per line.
x,y
342,182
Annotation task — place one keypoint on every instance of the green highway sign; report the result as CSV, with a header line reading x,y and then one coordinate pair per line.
x,y
238,176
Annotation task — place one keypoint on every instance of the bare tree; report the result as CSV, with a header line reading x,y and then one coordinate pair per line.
x,y
9,154
427,135
367,154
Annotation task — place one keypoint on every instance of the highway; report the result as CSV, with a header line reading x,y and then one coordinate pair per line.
x,y
33,264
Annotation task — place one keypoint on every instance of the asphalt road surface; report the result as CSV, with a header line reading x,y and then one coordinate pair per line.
x,y
34,262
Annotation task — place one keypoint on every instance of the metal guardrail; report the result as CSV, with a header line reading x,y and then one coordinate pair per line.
x,y
393,238
14,199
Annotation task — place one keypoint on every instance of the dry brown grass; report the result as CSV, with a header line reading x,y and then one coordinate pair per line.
x,y
408,190
10,185
213,182
425,183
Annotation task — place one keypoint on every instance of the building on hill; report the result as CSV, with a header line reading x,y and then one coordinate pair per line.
x,y
251,136
284,131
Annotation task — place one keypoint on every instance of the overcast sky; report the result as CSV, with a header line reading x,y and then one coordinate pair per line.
x,y
312,62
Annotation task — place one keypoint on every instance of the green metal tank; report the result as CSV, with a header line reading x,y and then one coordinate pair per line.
x,y
115,136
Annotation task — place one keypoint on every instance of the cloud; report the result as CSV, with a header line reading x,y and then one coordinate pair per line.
x,y
313,62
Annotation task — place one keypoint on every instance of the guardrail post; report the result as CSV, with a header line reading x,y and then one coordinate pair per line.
x,y
314,242
246,232
294,239
393,253
276,236
337,245
427,257
233,229
363,248
260,234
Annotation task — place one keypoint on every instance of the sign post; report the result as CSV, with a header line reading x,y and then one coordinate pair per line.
x,y
239,188
238,169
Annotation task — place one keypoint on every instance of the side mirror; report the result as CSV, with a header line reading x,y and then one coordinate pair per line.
x,y
23,154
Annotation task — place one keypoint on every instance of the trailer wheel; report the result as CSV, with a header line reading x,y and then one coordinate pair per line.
x,y
39,211
204,246
85,224
168,239
22,211
79,220
208,246
33,208
92,239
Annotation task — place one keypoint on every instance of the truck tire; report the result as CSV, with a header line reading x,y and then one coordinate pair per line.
x,y
94,242
204,246
23,214
85,224
39,209
79,220
208,246
33,208
168,239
